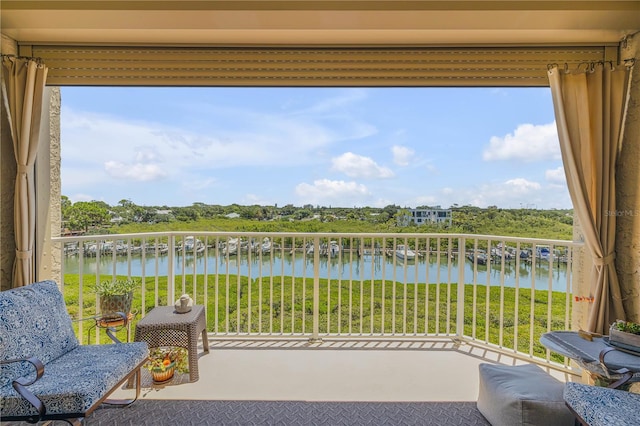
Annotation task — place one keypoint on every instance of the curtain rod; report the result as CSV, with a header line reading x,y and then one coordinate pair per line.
x,y
30,58
590,66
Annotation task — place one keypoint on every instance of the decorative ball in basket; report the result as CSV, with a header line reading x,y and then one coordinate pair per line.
x,y
165,361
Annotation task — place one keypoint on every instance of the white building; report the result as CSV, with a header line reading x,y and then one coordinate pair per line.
x,y
435,215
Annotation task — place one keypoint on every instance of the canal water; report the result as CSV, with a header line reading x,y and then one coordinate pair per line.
x,y
345,267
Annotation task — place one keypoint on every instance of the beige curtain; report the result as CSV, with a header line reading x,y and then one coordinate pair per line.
x,y
589,108
22,91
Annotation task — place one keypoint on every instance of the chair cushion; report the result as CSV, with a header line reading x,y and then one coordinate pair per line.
x,y
521,395
599,406
33,323
74,382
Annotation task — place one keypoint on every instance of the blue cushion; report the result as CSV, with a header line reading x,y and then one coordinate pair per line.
x,y
33,323
77,380
599,406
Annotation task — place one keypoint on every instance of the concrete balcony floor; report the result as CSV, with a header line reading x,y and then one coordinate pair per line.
x,y
335,370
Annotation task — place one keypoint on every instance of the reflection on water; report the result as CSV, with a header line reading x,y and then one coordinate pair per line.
x,y
347,266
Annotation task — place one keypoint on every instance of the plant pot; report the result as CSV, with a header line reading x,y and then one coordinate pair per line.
x,y
625,340
109,305
160,376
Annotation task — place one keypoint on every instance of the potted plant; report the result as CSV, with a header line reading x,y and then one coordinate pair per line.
x,y
115,296
625,334
165,361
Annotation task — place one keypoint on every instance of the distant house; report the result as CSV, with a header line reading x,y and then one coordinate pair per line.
x,y
435,215
232,215
115,217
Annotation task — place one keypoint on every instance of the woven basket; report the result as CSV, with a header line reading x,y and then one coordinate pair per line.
x,y
161,376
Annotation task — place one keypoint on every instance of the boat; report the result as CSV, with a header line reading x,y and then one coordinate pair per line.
x,y
543,253
404,252
192,245
501,251
162,248
334,248
479,256
265,247
231,247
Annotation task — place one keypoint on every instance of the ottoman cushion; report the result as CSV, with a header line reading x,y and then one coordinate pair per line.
x,y
603,406
521,395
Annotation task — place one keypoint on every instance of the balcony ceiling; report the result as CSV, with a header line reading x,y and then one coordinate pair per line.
x,y
318,23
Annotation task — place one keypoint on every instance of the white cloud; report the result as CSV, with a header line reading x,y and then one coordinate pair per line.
x,y
556,176
98,148
522,186
198,184
251,199
382,202
527,143
402,155
511,193
332,192
357,166
134,171
263,139
147,155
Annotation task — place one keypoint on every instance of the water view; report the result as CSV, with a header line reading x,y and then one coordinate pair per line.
x,y
347,266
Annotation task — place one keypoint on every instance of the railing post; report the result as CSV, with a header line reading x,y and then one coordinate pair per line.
x,y
171,273
315,336
461,284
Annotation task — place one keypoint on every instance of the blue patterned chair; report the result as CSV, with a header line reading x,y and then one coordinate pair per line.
x,y
600,406
45,373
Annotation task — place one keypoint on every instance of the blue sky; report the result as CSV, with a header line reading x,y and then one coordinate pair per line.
x,y
340,147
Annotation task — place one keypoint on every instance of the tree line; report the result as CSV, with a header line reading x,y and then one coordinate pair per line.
x,y
97,217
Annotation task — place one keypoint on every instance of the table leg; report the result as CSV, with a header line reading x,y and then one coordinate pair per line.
x,y
193,358
205,340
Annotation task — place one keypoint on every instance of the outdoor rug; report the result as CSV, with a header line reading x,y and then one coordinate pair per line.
x,y
197,412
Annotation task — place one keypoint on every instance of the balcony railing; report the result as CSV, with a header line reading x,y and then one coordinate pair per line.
x,y
499,291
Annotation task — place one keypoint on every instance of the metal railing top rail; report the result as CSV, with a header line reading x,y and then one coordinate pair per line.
x,y
320,235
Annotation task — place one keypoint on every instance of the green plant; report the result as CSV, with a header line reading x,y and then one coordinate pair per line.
x,y
116,287
163,357
627,327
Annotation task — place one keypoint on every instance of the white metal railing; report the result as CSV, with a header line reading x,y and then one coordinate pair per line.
x,y
345,285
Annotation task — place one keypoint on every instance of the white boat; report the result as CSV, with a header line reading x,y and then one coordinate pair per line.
x,y
266,245
192,244
334,248
403,252
231,247
543,253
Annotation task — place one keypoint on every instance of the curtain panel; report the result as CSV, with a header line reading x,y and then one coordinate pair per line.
x,y
589,108
23,82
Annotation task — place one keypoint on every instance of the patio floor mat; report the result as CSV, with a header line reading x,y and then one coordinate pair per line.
x,y
198,412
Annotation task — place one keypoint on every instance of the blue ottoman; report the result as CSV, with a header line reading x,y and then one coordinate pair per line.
x,y
521,395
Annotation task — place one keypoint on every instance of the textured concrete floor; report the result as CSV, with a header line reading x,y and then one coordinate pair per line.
x,y
437,370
